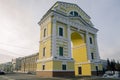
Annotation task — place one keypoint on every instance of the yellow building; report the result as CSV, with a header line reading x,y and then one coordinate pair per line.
x,y
68,43
29,63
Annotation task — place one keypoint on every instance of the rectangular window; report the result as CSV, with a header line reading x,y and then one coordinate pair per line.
x,y
60,31
92,55
60,51
43,67
64,67
90,40
44,32
44,50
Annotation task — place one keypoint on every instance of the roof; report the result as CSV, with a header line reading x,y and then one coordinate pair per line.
x,y
58,2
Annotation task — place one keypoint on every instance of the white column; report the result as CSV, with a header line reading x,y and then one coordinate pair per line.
x,y
54,38
69,41
96,46
88,46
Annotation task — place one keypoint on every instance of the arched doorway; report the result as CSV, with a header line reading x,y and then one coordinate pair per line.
x,y
79,52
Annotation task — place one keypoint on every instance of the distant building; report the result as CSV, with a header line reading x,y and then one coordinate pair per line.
x,y
1,67
7,67
16,64
104,64
28,63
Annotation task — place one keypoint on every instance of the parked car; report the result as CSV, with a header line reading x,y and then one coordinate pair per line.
x,y
2,72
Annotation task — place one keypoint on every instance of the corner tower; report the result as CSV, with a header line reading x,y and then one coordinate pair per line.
x,y
68,44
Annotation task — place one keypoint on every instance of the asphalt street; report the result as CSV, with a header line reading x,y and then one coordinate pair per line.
x,y
24,76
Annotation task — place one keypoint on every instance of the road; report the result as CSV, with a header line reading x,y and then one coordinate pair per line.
x,y
23,76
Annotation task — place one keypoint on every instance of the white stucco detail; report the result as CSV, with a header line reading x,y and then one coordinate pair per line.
x,y
96,46
69,41
54,38
88,46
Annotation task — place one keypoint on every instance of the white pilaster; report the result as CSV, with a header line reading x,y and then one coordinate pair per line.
x,y
54,38
96,46
88,46
69,41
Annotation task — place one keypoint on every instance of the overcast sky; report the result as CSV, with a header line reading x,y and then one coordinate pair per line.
x,y
20,32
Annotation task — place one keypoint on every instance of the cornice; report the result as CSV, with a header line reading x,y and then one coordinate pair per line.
x,y
66,19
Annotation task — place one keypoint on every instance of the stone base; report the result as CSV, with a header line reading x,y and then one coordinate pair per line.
x,y
99,73
55,73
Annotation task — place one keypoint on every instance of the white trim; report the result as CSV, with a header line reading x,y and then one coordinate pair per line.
x,y
96,46
69,41
54,38
77,25
55,59
83,63
88,47
64,62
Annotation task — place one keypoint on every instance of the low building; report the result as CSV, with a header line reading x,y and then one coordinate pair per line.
x,y
104,64
29,63
7,67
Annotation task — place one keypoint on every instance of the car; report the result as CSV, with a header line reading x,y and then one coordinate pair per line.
x,y
2,72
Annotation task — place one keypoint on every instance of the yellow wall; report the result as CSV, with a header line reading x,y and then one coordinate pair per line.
x,y
70,65
79,54
93,67
86,69
45,42
48,65
100,67
58,65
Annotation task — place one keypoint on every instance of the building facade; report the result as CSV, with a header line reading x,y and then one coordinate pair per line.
x,y
68,43
16,63
28,63
7,67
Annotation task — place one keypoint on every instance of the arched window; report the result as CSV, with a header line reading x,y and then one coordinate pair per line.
x,y
74,13
71,13
44,33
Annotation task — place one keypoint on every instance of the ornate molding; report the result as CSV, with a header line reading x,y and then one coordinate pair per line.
x,y
66,20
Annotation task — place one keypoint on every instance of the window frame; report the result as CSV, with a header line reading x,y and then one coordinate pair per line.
x,y
92,56
64,67
74,13
61,48
44,51
44,32
43,67
60,27
91,40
